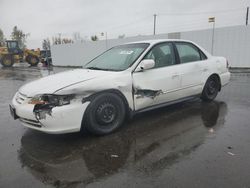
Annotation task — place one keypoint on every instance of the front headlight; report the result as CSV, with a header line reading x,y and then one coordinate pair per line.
x,y
50,99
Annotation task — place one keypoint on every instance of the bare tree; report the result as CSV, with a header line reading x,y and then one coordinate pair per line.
x,y
67,41
121,36
46,44
56,40
77,37
19,36
94,38
1,38
59,40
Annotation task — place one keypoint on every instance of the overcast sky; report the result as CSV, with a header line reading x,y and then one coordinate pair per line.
x,y
47,18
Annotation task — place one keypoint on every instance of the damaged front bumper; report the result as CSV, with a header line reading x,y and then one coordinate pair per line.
x,y
61,119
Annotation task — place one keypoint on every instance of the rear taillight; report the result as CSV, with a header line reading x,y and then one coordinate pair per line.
x,y
227,64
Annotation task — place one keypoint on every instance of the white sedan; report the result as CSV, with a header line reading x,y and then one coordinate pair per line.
x,y
125,80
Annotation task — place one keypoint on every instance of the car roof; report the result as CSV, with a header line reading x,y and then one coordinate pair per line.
x,y
155,41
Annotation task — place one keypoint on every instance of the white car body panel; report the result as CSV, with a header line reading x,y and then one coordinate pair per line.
x,y
153,80
55,82
141,89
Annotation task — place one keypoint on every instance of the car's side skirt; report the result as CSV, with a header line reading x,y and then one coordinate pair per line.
x,y
166,104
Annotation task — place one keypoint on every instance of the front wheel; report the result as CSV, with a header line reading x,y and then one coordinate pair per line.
x,y
32,60
7,60
211,89
105,114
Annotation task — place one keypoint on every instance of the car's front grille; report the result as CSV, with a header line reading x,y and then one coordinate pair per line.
x,y
21,98
34,123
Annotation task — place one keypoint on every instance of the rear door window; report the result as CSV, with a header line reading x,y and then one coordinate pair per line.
x,y
189,53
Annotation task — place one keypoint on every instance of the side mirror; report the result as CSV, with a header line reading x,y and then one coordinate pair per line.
x,y
145,65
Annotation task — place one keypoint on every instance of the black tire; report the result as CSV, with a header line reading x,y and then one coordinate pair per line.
x,y
7,61
105,114
32,60
210,89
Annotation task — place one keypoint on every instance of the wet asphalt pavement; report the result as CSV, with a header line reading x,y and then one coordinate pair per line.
x,y
191,144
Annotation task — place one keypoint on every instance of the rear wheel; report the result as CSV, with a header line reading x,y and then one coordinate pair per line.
x,y
7,61
32,60
211,89
105,114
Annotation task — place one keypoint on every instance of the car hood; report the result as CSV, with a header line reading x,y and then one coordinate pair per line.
x,y
53,83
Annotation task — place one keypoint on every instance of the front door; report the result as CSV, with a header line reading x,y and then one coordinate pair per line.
x,y
159,84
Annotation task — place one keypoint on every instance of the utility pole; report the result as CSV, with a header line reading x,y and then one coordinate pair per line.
x,y
212,51
154,22
60,41
212,20
106,38
247,15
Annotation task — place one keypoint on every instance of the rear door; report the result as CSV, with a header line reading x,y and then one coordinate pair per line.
x,y
193,68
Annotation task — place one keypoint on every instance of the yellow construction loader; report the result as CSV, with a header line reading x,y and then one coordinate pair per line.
x,y
13,54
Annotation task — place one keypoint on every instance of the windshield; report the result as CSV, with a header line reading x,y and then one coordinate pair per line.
x,y
118,58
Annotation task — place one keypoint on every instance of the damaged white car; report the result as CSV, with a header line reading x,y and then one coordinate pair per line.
x,y
119,83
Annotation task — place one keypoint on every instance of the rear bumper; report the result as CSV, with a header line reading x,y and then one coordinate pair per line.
x,y
63,119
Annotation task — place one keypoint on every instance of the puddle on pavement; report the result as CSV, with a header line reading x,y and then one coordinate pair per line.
x,y
151,142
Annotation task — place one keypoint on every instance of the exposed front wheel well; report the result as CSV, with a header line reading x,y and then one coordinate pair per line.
x,y
128,110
